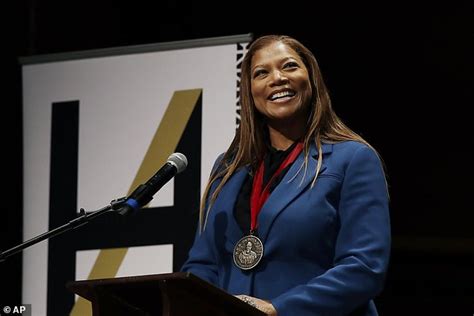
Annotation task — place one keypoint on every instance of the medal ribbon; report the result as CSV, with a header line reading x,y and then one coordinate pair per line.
x,y
259,195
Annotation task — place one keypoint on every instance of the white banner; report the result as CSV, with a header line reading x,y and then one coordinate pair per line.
x,y
120,102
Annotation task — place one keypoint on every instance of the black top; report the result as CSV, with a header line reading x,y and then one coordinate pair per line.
x,y
272,162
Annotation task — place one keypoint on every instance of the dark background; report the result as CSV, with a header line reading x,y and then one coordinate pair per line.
x,y
400,75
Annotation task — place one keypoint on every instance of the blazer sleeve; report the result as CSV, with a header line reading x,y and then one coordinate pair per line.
x,y
362,247
202,259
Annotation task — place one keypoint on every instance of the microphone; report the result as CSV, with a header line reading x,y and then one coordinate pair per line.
x,y
143,194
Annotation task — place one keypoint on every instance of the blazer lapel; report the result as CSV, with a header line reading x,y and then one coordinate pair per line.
x,y
290,187
226,202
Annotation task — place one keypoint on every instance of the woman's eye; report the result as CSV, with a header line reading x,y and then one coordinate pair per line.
x,y
258,73
291,64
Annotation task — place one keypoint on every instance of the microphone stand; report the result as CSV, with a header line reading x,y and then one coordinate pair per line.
x,y
83,218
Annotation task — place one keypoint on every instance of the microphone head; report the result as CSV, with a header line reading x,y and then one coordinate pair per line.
x,y
179,161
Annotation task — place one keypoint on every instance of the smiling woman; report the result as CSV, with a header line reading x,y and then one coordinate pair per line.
x,y
281,91
294,219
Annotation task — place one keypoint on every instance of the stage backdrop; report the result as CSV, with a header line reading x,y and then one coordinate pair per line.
x,y
99,123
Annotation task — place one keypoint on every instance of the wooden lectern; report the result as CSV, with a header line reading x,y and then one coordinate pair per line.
x,y
173,294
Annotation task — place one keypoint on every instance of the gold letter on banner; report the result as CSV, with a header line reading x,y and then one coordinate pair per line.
x,y
164,143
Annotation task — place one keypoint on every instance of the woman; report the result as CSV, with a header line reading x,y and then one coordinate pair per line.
x,y
308,194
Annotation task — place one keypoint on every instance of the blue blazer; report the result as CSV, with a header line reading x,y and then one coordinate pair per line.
x,y
326,247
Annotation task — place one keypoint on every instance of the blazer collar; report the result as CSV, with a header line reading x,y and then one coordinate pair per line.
x,y
226,201
290,187
282,195
326,148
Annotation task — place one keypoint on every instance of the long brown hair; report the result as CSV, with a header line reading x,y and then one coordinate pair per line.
x,y
248,146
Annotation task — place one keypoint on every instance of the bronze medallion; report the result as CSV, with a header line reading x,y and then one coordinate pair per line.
x,y
248,252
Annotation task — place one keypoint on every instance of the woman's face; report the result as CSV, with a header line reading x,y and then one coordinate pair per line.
x,y
280,84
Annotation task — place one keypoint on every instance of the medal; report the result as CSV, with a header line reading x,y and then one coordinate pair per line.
x,y
249,249
247,252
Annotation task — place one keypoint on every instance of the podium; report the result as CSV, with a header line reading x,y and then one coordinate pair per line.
x,y
172,294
